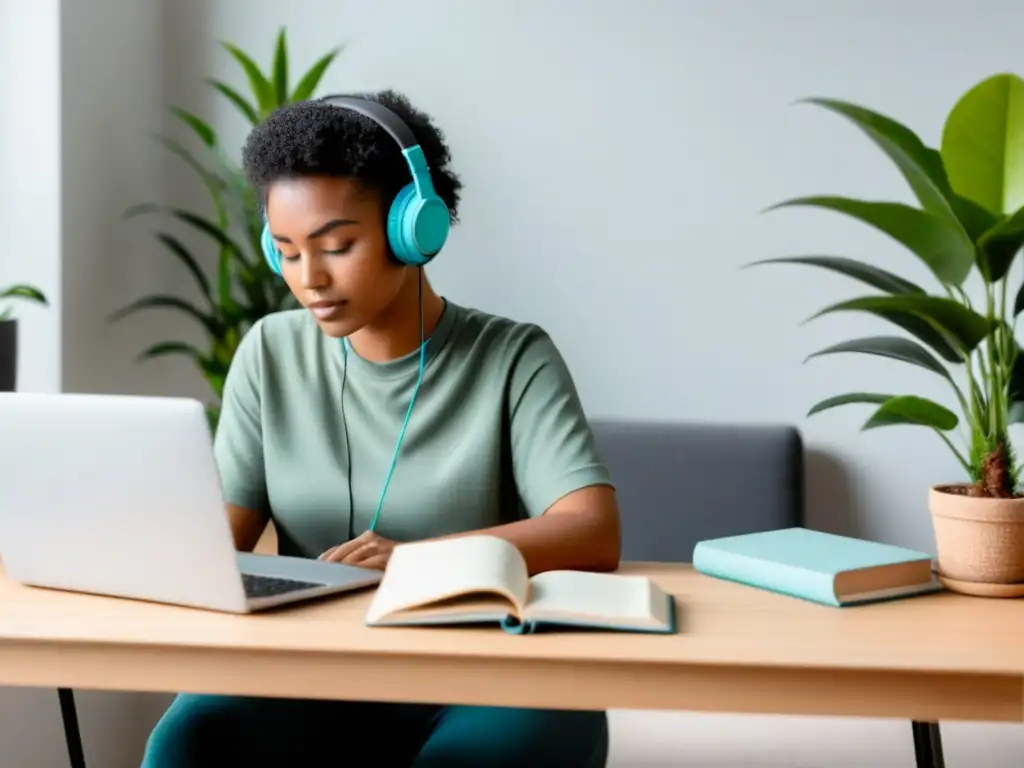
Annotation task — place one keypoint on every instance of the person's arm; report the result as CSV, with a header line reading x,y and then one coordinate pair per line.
x,y
247,527
238,445
572,511
578,532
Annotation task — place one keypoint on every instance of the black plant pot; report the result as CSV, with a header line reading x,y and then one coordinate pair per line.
x,y
8,354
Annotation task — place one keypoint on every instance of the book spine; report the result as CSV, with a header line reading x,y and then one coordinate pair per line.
x,y
774,577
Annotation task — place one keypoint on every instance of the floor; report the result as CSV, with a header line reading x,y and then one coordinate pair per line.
x,y
681,740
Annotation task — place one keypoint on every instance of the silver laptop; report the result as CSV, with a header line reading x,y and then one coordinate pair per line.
x,y
120,495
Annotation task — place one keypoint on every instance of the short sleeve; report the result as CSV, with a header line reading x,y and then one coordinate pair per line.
x,y
238,443
553,447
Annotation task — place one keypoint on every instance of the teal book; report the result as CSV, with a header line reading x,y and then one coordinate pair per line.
x,y
483,579
821,567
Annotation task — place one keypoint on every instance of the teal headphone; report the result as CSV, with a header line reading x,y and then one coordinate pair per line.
x,y
418,220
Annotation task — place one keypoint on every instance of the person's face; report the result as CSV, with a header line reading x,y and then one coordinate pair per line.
x,y
334,257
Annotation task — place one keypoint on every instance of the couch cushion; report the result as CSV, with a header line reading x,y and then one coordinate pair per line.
x,y
680,482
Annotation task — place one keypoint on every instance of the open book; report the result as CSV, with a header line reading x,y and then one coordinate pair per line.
x,y
484,579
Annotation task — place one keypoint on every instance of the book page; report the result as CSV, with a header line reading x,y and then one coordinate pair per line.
x,y
428,572
601,599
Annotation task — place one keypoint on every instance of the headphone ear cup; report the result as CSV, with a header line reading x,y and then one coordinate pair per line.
x,y
417,227
404,250
270,252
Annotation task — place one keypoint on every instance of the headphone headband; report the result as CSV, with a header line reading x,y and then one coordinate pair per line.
x,y
397,130
380,114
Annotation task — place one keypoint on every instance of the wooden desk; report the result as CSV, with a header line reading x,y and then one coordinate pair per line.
x,y
941,657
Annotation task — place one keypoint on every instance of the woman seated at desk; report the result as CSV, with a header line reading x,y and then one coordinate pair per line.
x,y
381,412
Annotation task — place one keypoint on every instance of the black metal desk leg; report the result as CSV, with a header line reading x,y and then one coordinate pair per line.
x,y
72,735
928,745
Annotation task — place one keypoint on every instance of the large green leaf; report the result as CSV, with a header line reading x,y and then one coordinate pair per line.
x,y
200,223
912,410
893,347
164,301
215,186
954,321
1018,304
241,204
983,144
175,246
248,110
921,166
261,87
200,127
279,79
224,275
851,398
311,79
165,348
20,291
943,246
858,270
1015,392
1001,243
975,219
216,375
23,291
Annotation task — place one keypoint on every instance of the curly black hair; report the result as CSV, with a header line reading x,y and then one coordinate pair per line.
x,y
314,137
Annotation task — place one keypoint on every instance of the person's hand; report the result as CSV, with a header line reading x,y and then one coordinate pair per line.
x,y
367,550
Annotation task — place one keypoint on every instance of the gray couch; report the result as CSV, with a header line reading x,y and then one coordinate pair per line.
x,y
680,482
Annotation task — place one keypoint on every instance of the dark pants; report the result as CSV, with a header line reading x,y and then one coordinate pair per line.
x,y
200,731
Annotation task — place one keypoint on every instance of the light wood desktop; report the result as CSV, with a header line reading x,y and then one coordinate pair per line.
x,y
940,657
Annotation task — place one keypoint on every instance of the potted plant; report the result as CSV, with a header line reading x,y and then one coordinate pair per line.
x,y
9,332
242,288
968,223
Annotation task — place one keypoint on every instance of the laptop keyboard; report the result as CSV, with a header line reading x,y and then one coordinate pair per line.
x,y
269,586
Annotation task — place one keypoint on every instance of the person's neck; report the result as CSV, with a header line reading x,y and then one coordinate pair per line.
x,y
397,332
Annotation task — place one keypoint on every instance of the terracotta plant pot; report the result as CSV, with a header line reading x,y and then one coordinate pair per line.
x,y
980,541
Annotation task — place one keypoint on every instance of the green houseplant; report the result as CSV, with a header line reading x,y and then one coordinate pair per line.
x,y
242,288
9,330
968,223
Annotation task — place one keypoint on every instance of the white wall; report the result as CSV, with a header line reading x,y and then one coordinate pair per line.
x,y
30,181
616,157
114,104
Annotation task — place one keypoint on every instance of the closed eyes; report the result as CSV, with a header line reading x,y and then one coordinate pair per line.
x,y
333,252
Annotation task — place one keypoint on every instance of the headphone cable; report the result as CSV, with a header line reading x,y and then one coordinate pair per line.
x,y
401,435
412,401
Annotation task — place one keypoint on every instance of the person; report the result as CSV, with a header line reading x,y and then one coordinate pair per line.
x,y
314,404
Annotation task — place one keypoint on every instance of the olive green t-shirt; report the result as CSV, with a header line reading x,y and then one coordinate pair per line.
x,y
497,432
